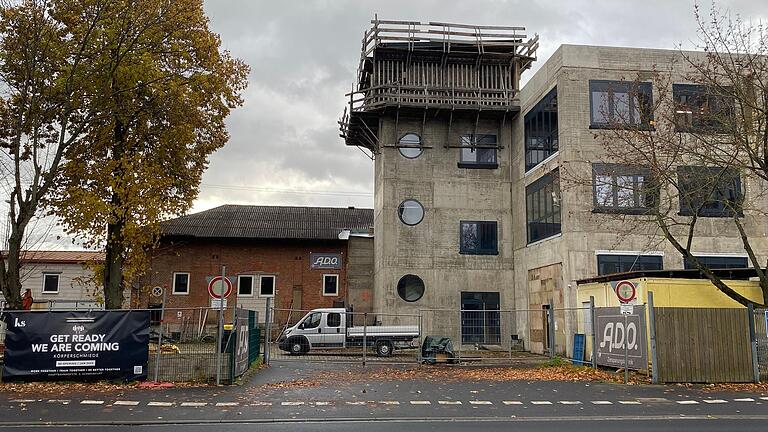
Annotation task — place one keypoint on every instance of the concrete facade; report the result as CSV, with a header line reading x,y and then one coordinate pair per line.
x,y
585,233
528,277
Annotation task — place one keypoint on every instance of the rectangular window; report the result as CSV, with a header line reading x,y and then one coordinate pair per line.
x,y
333,319
245,285
542,202
267,286
478,151
709,191
50,283
181,283
609,264
330,285
541,139
478,238
615,104
700,108
719,262
622,189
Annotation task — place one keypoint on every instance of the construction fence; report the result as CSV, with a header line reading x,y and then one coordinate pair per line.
x,y
193,344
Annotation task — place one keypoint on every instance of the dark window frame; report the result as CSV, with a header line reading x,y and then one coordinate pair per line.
x,y
644,93
711,207
336,322
543,221
487,238
400,212
401,286
542,126
695,99
708,260
470,141
645,199
635,262
410,145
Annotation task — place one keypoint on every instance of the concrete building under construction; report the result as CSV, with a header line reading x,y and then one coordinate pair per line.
x,y
468,209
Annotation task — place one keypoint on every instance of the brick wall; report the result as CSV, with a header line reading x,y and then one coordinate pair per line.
x,y
287,260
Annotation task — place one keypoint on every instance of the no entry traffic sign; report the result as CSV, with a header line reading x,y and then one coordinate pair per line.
x,y
217,289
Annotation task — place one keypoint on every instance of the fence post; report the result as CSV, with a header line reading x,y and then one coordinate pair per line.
x,y
753,342
421,339
460,340
268,327
365,336
593,326
551,332
652,327
221,328
159,347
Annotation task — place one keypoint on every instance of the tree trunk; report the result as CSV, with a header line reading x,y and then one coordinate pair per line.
x,y
113,267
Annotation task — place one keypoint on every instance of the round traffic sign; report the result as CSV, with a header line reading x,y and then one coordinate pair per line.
x,y
626,291
215,288
157,291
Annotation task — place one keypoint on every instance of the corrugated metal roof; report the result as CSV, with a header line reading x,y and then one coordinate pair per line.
x,y
270,222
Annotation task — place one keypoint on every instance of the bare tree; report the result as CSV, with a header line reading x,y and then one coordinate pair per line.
x,y
697,150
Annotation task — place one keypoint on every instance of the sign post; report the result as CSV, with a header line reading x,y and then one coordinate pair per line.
x,y
627,295
222,295
160,337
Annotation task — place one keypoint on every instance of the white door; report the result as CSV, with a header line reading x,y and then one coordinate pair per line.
x,y
333,331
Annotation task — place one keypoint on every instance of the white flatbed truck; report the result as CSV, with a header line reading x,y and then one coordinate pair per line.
x,y
322,329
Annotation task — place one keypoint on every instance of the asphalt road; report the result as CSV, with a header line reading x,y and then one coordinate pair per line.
x,y
282,398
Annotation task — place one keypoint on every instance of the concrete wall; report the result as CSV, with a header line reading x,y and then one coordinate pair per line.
x,y
583,232
449,194
360,274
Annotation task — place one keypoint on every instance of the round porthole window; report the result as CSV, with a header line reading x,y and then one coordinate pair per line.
x,y
410,288
408,141
411,212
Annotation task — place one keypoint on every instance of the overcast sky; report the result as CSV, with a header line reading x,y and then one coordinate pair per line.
x,y
284,147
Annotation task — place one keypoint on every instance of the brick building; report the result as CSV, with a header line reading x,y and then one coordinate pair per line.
x,y
297,255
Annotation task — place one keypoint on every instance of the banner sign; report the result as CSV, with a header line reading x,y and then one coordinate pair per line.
x,y
76,346
330,261
241,347
616,333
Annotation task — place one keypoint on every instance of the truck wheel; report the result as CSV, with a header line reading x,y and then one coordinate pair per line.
x,y
384,348
298,346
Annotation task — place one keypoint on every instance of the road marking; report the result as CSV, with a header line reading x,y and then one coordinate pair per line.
x,y
744,400
511,402
355,402
125,403
160,404
764,398
421,402
287,403
479,402
541,403
61,401
257,403
23,400
321,403
688,402
194,404
91,402
389,403
450,402
654,400
570,402
630,402
715,401
602,402
228,404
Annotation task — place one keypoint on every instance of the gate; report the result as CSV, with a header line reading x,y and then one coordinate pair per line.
x,y
703,345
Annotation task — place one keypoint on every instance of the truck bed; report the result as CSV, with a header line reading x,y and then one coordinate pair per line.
x,y
375,331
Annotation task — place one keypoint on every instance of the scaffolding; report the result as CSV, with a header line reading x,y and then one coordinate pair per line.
x,y
434,66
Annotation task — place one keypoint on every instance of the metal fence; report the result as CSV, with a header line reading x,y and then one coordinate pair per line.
x,y
185,344
761,342
476,336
